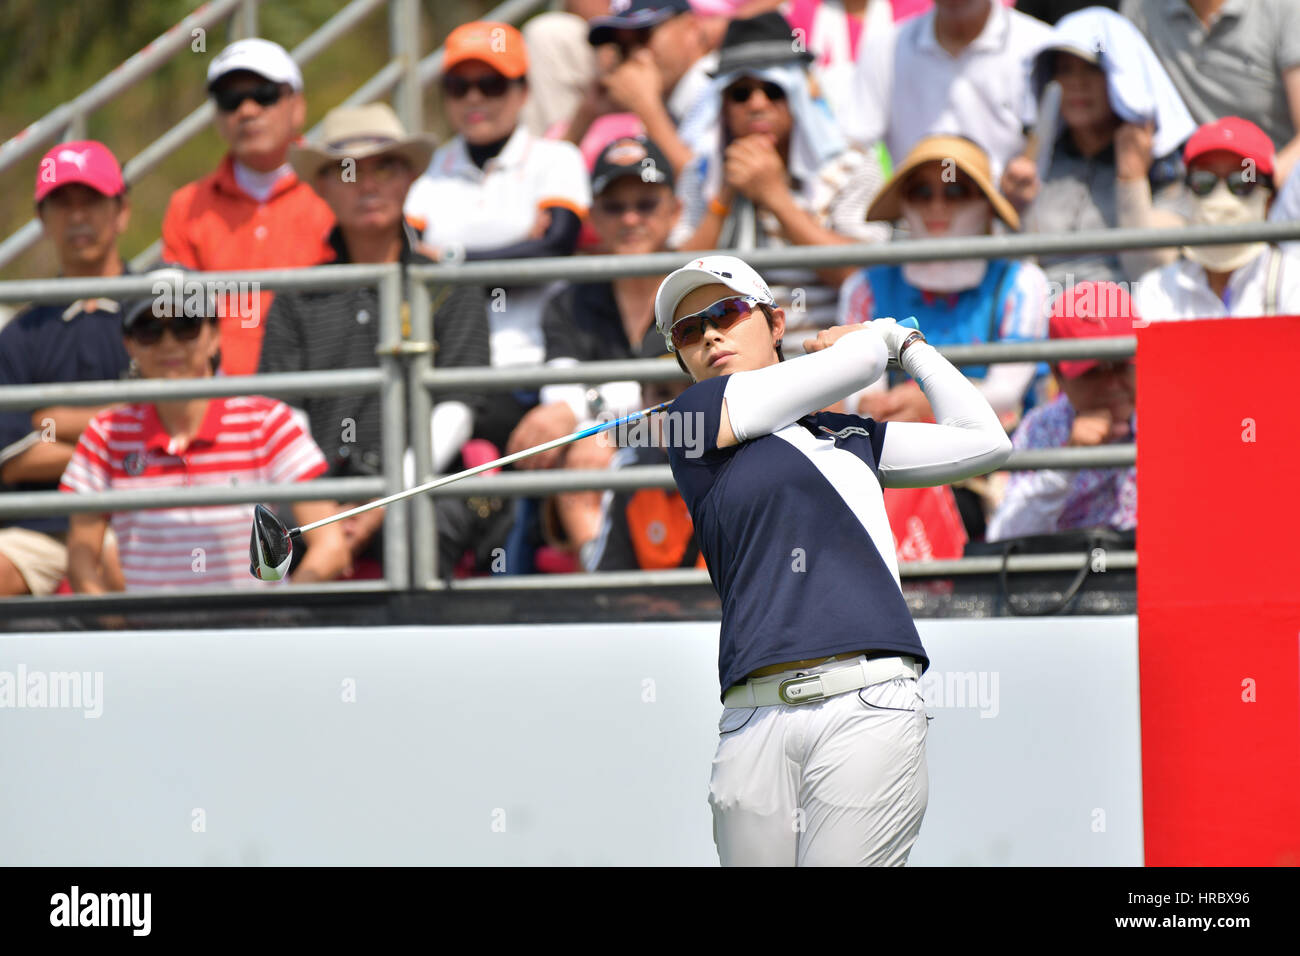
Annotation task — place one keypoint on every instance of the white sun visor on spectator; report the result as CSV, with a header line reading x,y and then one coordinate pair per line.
x,y
727,270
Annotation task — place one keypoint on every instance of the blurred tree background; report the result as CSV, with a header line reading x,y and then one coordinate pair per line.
x,y
53,50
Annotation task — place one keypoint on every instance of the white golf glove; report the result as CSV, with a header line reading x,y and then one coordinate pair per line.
x,y
895,333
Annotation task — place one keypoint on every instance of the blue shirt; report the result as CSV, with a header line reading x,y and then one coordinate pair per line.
x,y
792,526
56,343
969,317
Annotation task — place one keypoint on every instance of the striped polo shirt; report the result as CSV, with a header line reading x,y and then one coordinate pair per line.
x,y
251,440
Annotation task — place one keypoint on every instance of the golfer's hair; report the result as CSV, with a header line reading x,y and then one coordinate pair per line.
x,y
767,311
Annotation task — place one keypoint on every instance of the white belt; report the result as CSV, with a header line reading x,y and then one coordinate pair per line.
x,y
802,687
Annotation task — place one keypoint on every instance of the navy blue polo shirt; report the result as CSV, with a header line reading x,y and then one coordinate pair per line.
x,y
793,528
56,343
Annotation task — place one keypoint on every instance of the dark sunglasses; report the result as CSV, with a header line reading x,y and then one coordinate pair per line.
x,y
264,94
722,314
953,192
490,86
1202,182
617,208
741,92
149,329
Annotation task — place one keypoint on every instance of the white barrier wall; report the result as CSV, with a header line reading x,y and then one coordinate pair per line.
x,y
520,745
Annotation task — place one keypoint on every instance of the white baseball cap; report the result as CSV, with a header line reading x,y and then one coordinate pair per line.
x,y
259,56
727,270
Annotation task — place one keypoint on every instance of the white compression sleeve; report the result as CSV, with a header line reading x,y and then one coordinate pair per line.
x,y
968,439
762,400
451,424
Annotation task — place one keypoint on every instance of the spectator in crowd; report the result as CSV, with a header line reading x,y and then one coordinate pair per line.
x,y
1230,169
1052,11
496,191
251,212
653,58
960,69
1117,159
776,172
562,64
191,443
1231,58
1096,406
82,204
363,169
833,30
1286,208
633,210
649,529
943,190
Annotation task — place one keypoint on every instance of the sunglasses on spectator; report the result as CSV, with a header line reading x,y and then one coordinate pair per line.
x,y
264,94
149,329
491,86
741,92
722,315
923,192
618,208
1202,182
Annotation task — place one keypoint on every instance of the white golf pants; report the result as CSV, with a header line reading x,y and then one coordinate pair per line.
x,y
837,782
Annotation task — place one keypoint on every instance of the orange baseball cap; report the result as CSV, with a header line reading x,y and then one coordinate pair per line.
x,y
499,45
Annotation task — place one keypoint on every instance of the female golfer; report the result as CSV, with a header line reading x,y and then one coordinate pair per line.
x,y
821,756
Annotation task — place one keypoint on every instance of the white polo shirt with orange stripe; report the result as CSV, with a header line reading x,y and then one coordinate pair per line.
x,y
251,440
456,203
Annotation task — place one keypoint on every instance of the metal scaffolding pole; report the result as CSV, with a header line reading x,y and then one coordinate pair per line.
x,y
393,402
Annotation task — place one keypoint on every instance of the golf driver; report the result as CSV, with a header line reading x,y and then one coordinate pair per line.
x,y
270,549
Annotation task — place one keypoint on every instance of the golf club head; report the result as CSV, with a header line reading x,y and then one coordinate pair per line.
x,y
270,550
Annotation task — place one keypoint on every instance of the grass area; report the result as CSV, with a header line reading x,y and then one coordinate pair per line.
x,y
52,52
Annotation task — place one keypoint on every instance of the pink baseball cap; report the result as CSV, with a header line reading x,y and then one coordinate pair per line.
x,y
84,161
1090,310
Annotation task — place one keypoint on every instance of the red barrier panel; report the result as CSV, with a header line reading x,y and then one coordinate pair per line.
x,y
1219,591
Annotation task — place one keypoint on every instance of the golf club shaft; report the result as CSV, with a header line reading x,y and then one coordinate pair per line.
x,y
479,469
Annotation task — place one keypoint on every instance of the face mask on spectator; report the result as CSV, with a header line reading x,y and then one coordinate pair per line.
x,y
1222,208
971,219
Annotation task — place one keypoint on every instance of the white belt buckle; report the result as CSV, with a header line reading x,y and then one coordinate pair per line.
x,y
797,690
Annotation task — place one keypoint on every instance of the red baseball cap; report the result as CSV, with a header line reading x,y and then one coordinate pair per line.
x,y
1235,135
1090,310
83,161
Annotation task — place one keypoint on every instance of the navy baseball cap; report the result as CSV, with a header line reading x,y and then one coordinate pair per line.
x,y
631,156
633,15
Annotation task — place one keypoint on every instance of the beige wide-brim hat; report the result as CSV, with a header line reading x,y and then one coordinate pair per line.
x,y
355,132
967,157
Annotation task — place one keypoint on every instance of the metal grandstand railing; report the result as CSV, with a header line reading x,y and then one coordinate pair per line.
x,y
407,381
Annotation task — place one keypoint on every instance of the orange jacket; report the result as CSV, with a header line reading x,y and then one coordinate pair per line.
x,y
212,224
